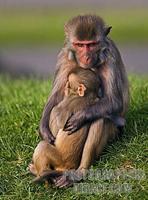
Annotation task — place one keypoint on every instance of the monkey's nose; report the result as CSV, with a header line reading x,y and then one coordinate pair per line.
x,y
86,48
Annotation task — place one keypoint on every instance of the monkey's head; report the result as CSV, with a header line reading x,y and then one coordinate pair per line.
x,y
82,82
85,38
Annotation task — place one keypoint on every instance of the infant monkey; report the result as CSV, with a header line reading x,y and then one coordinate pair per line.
x,y
49,160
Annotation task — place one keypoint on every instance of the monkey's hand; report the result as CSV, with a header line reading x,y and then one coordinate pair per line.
x,y
47,135
76,121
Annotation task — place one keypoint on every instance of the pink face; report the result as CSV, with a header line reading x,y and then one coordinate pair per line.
x,y
84,51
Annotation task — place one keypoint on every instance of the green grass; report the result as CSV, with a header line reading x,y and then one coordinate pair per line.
x,y
27,28
21,104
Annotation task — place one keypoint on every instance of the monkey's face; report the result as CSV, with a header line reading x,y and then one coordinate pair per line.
x,y
86,37
86,52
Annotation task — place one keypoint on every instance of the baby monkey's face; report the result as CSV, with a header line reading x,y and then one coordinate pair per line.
x,y
74,86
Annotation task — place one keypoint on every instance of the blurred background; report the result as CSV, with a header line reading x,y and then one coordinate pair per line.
x,y
31,32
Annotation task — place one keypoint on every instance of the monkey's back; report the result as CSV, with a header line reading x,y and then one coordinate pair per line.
x,y
70,146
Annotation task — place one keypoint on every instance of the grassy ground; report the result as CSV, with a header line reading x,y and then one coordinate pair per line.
x,y
21,103
46,27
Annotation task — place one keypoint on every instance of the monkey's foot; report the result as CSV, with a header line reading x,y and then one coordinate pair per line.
x,y
32,169
63,182
67,180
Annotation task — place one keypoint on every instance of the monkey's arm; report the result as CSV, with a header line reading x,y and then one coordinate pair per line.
x,y
90,114
56,96
44,129
110,104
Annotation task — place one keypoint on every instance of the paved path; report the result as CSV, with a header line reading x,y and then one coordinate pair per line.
x,y
42,61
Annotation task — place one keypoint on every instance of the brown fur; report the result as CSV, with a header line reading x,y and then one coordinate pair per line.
x,y
108,65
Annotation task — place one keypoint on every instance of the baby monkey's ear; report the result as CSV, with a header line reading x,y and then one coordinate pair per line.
x,y
81,90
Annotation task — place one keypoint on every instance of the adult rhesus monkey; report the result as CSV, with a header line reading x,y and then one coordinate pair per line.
x,y
88,46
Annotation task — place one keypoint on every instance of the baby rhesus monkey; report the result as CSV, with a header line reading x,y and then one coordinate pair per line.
x,y
81,91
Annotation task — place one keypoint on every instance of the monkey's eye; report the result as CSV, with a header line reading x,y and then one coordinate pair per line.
x,y
93,44
79,45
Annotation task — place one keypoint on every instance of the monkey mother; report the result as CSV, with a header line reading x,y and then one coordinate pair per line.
x,y
87,45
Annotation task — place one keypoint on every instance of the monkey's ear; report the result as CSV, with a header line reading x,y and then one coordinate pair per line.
x,y
81,90
70,55
107,30
66,30
67,87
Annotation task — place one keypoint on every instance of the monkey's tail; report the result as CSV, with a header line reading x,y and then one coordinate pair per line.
x,y
49,175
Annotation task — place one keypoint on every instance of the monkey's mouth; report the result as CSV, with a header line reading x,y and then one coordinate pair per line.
x,y
86,60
